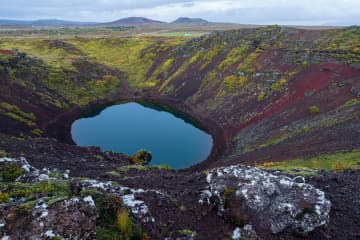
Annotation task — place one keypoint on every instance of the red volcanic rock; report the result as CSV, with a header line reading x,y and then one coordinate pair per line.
x,y
6,52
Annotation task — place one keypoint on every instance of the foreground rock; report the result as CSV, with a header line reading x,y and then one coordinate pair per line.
x,y
42,204
248,195
74,218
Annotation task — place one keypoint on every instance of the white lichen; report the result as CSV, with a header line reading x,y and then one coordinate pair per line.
x,y
236,235
50,234
261,191
89,200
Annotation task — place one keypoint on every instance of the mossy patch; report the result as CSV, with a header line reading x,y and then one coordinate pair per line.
x,y
52,188
17,114
3,153
334,162
235,82
10,172
313,110
279,84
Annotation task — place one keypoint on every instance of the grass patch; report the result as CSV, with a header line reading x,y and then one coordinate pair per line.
x,y
17,114
333,162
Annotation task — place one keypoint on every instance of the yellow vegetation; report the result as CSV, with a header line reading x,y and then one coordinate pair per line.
x,y
232,82
124,223
278,85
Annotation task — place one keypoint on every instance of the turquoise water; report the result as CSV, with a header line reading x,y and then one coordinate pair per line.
x,y
128,127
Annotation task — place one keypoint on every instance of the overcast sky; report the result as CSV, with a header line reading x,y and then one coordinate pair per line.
x,y
304,12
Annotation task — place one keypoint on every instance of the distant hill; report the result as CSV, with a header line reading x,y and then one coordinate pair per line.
x,y
132,21
43,23
186,20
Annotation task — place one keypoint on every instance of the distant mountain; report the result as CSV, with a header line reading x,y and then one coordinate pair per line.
x,y
132,21
186,20
43,23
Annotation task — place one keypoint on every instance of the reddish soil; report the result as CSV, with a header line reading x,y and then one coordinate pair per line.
x,y
6,52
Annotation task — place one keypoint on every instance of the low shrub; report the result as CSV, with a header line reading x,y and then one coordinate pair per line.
x,y
141,157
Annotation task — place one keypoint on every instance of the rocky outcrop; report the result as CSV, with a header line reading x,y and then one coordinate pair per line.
x,y
74,218
276,203
68,211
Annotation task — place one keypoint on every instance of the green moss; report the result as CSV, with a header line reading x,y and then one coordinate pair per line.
x,y
46,188
235,82
249,64
346,40
313,110
188,233
56,199
114,173
261,96
352,102
163,69
210,56
4,197
279,84
3,153
133,56
42,49
89,91
196,57
233,57
56,238
15,113
37,132
28,206
335,162
273,141
136,167
10,172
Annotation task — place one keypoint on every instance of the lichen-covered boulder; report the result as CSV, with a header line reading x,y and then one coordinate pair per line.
x,y
73,218
275,203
